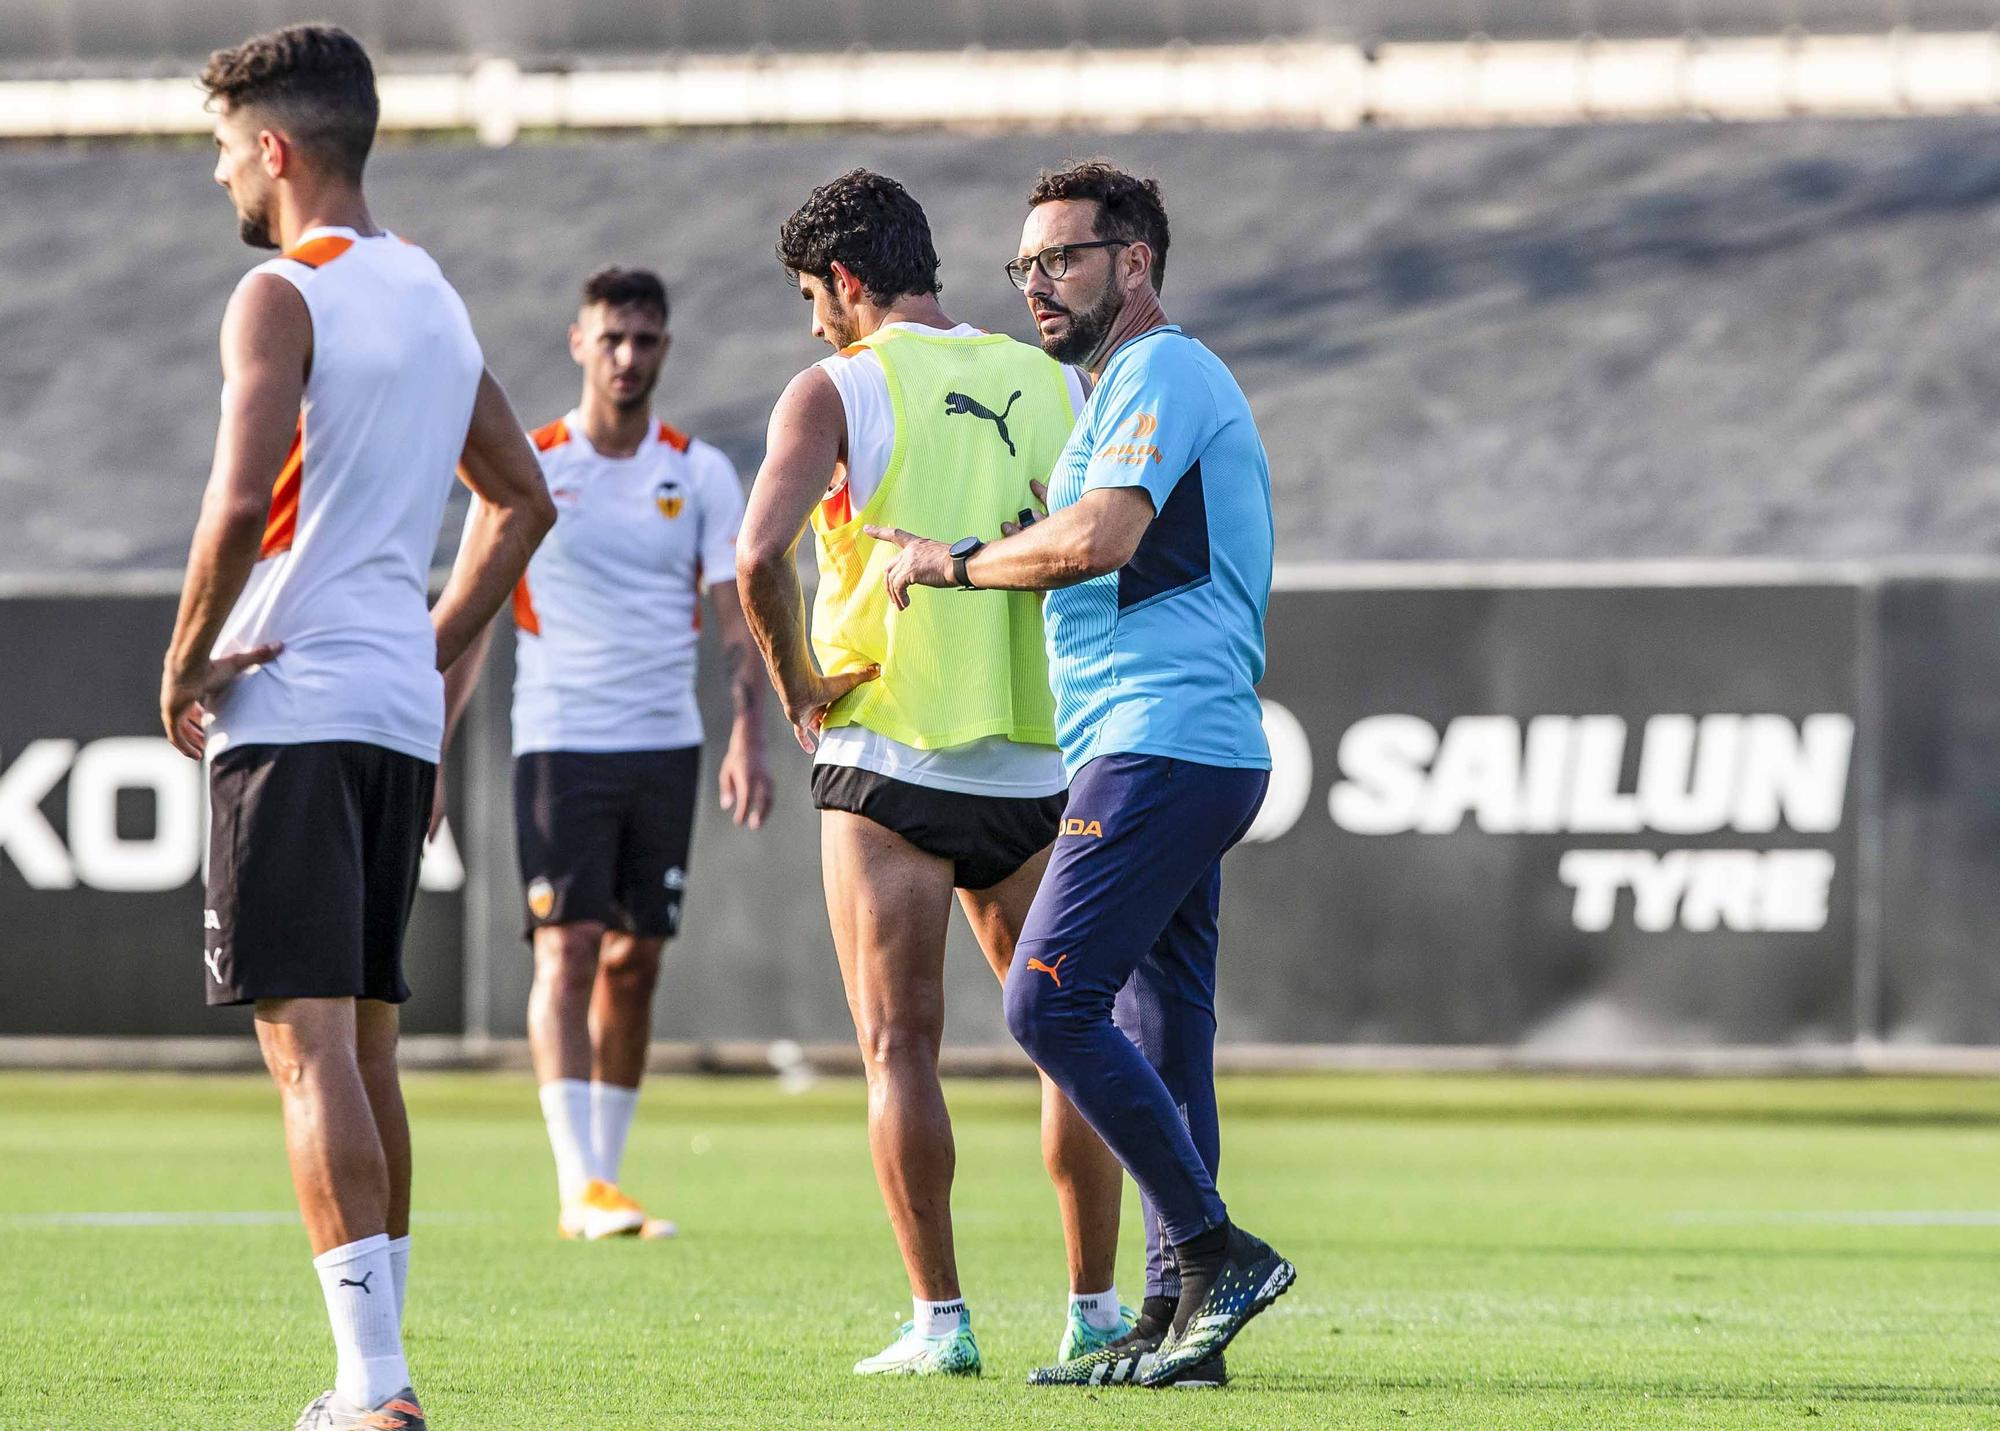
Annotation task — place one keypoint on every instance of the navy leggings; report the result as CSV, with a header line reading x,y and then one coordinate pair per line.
x,y
1126,915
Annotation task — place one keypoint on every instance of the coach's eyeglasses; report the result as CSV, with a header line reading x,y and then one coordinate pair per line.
x,y
1054,260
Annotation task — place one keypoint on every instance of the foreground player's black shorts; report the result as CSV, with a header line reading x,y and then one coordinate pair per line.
x,y
313,852
604,836
986,837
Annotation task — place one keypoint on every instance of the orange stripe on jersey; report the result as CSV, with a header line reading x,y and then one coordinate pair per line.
x,y
836,508
852,350
283,522
316,253
524,609
674,437
552,436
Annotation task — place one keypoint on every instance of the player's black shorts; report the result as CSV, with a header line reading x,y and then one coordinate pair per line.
x,y
604,836
313,852
986,837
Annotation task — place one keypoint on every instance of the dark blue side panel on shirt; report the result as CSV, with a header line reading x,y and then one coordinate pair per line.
x,y
1173,555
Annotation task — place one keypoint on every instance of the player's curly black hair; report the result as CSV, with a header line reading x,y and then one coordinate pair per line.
x,y
1128,207
316,78
869,224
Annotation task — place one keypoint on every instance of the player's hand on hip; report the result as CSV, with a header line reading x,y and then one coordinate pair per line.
x,y
746,784
807,710
922,562
183,695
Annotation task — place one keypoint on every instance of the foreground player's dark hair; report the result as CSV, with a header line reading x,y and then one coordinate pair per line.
x,y
617,287
1128,207
869,224
316,78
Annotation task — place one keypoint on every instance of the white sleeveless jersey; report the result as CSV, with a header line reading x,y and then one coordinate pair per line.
x,y
342,578
608,618
995,766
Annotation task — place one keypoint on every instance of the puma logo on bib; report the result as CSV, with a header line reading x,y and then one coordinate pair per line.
x,y
959,405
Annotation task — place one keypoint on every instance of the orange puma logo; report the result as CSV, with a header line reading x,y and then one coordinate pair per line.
x,y
1049,969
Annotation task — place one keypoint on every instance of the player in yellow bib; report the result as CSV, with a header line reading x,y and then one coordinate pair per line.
x,y
932,729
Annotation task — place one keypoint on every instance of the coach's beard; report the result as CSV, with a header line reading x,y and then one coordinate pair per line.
x,y
1087,330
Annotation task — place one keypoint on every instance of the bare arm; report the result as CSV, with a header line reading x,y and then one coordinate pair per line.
x,y
1097,534
266,345
461,679
503,528
807,428
744,778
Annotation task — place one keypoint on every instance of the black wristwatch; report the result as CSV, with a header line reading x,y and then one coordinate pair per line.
x,y
962,551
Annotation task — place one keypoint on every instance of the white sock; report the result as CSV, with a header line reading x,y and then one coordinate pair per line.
x,y
611,1110
566,1109
1099,1310
399,1264
360,1293
938,1319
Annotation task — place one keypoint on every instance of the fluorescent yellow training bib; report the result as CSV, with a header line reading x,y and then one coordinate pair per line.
x,y
976,418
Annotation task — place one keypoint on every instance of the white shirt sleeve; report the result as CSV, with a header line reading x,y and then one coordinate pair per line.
x,y
721,514
1078,393
871,421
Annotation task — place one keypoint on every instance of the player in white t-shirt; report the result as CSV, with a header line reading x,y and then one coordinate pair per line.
x,y
304,662
607,737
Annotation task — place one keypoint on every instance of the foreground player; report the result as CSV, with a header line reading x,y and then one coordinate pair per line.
x,y
932,731
1157,558
607,735
352,377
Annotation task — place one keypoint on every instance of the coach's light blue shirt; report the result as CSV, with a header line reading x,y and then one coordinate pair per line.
x,y
1162,656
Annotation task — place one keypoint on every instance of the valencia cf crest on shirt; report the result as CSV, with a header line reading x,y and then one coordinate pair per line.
x,y
671,498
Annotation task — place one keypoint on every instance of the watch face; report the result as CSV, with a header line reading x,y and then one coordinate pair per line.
x,y
966,546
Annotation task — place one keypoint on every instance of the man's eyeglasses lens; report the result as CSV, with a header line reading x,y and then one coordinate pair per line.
x,y
1054,260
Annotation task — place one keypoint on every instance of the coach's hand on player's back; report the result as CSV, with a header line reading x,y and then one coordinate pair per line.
x,y
182,694
922,562
807,709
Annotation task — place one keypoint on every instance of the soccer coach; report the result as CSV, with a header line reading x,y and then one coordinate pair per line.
x,y
1157,559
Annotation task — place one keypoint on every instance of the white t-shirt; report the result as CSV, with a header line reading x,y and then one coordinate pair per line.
x,y
993,766
608,617
342,578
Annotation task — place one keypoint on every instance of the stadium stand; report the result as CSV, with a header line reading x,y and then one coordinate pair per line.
x,y
113,36
1595,342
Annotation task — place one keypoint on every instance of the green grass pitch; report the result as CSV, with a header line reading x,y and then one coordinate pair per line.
x,y
1473,1253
